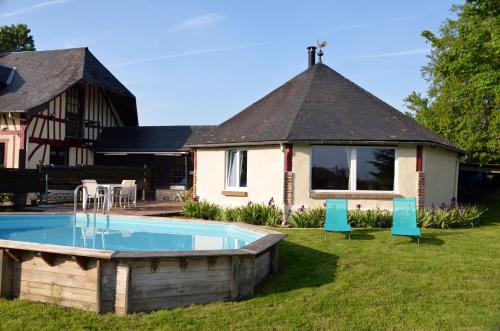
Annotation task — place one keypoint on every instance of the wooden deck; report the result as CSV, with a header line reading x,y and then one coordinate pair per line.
x,y
144,208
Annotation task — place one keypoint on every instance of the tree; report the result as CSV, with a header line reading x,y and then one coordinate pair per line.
x,y
16,38
463,98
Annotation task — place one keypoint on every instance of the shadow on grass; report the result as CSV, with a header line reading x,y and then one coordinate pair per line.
x,y
300,267
356,234
425,239
362,234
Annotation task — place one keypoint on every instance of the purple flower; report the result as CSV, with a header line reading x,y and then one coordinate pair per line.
x,y
270,203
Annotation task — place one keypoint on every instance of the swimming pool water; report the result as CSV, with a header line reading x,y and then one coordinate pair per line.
x,y
123,233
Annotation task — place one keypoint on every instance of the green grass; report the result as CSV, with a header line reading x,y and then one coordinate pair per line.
x,y
450,281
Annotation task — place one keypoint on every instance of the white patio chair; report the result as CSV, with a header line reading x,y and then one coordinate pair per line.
x,y
125,192
93,191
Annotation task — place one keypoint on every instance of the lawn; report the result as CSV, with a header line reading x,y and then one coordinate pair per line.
x,y
450,281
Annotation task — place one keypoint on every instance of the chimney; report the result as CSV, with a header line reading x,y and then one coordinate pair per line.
x,y
312,55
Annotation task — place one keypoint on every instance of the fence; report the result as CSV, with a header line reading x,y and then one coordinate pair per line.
x,y
20,181
68,178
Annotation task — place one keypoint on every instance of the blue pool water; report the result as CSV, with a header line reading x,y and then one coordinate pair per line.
x,y
123,233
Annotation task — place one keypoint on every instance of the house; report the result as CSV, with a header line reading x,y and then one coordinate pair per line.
x,y
54,104
321,136
63,107
163,149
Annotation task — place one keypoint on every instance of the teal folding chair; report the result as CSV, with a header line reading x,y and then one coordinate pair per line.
x,y
336,217
404,218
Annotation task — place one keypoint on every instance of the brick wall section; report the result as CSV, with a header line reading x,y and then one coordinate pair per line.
x,y
288,190
420,189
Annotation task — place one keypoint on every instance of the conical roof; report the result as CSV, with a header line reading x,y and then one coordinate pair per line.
x,y
320,106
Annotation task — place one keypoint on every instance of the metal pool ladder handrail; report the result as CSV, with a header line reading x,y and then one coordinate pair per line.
x,y
75,195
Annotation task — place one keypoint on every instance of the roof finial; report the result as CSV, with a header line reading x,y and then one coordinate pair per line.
x,y
321,45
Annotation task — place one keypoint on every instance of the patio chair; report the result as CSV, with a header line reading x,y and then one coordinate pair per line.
x,y
93,192
404,218
336,217
125,192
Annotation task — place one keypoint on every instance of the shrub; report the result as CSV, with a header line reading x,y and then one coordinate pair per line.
x,y
452,216
256,213
233,214
440,218
315,218
470,216
253,213
375,218
202,209
308,218
424,219
261,214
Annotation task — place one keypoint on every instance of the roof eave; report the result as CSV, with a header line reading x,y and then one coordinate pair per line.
x,y
334,142
138,151
238,144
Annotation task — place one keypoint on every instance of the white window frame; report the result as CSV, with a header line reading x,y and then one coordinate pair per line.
x,y
353,171
226,174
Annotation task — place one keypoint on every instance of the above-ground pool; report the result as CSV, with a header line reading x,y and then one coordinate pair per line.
x,y
129,264
124,233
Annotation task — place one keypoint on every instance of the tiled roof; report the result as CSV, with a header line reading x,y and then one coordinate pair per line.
x,y
148,138
320,106
42,75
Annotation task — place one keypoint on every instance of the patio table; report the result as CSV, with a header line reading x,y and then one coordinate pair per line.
x,y
108,197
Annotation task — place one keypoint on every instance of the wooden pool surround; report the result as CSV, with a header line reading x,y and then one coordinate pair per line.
x,y
138,281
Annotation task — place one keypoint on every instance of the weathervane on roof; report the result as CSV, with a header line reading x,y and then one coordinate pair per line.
x,y
321,45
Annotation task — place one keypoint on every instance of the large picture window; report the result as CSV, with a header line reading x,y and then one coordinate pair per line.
x,y
375,169
335,168
330,168
236,169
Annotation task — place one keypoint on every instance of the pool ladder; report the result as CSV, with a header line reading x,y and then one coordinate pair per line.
x,y
75,203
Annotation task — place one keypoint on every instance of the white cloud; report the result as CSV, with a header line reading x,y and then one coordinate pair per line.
x,y
393,54
186,53
198,22
34,7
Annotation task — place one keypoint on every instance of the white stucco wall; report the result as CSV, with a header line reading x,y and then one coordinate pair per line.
x,y
441,175
264,176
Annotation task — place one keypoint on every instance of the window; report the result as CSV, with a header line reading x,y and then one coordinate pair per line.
x,y
74,112
236,169
352,168
179,175
330,168
2,155
58,156
375,169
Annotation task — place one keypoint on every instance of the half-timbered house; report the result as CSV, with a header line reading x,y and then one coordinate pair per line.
x,y
54,104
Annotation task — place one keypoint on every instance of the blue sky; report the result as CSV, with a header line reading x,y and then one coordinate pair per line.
x,y
200,62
